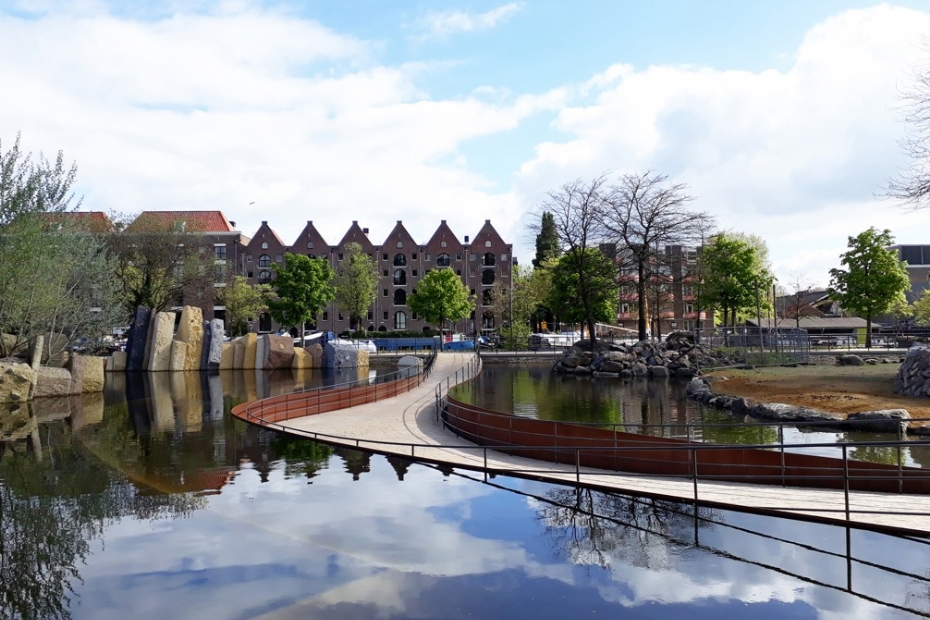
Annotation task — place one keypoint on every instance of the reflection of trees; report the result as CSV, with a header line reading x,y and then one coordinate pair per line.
x,y
592,527
301,457
51,506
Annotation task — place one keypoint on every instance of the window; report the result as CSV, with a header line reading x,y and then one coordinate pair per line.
x,y
325,316
248,258
414,273
400,244
250,274
309,245
487,277
400,320
624,308
385,272
488,260
503,258
340,316
264,261
219,273
384,257
458,272
458,256
400,260
415,317
279,258
264,276
443,244
400,277
400,297
219,251
689,308
311,255
371,317
472,257
264,245
472,293
486,297
426,257
413,256
487,320
487,243
385,317
339,256
384,293
443,260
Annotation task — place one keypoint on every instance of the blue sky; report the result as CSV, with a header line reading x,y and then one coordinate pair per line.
x,y
782,117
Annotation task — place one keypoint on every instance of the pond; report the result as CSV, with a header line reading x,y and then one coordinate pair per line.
x,y
657,407
153,502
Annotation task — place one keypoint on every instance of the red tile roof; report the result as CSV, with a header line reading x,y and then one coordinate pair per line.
x,y
89,221
195,221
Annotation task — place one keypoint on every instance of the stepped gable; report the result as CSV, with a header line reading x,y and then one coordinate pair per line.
x,y
310,243
359,235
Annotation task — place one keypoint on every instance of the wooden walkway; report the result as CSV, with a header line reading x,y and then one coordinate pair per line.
x,y
407,425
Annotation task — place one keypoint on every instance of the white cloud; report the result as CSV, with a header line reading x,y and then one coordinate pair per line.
x,y
441,24
795,157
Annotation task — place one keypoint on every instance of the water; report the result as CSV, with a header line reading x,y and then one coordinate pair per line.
x,y
163,506
656,408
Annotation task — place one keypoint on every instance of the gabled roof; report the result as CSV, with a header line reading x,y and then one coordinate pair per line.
x,y
309,233
271,231
400,233
84,221
443,232
190,221
488,232
356,234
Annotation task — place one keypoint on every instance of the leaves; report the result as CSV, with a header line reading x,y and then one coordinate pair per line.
x,y
441,296
356,283
303,286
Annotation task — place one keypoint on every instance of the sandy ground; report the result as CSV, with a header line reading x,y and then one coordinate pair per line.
x,y
839,389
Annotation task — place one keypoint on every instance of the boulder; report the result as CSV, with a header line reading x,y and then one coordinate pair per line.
x,y
190,332
214,351
52,382
316,354
119,361
228,356
881,421
93,377
239,354
849,360
77,366
783,412
135,341
178,356
639,369
277,352
341,356
658,371
251,344
302,359
160,343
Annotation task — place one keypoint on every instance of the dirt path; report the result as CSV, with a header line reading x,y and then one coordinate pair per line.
x,y
838,389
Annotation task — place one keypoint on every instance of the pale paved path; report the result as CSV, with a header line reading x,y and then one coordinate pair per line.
x,y
409,420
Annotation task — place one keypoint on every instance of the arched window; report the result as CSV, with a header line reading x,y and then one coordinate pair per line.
x,y
264,322
487,320
309,245
486,297
487,244
400,260
443,260
264,276
400,277
264,261
487,276
400,320
488,260
311,255
264,245
400,297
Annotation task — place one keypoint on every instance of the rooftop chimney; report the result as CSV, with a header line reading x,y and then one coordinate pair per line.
x,y
264,223
466,238
232,223
365,230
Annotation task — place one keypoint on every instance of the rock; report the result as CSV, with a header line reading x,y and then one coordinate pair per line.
x,y
582,370
410,361
228,356
658,371
316,354
341,356
251,345
882,421
52,382
119,361
239,349
849,360
302,359
178,356
639,369
160,342
788,413
135,341
77,366
214,351
190,332
742,406
604,375
277,352
93,378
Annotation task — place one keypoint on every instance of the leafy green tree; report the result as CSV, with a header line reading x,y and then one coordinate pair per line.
x,y
733,274
547,241
588,299
871,278
516,305
159,264
356,283
31,186
901,310
441,296
303,287
243,302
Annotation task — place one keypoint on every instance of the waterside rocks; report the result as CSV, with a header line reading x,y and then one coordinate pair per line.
x,y
913,377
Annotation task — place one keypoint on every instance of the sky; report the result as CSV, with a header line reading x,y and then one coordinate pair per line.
x,y
783,118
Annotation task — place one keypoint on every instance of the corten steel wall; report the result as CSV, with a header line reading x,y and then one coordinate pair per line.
x,y
573,444
298,404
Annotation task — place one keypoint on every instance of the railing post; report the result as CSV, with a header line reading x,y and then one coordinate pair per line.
x,y
694,471
781,443
577,464
846,481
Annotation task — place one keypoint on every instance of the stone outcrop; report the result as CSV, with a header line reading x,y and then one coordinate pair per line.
x,y
913,378
678,356
52,381
343,356
160,342
190,332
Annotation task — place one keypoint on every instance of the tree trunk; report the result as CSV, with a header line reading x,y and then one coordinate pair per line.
x,y
641,302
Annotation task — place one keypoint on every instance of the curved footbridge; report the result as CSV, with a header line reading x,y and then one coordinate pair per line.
x,y
402,418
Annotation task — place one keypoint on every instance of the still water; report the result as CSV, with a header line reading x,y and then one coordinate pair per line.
x,y
150,501
657,408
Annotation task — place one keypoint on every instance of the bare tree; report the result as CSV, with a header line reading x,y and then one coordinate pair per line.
x,y
576,210
912,185
644,214
800,286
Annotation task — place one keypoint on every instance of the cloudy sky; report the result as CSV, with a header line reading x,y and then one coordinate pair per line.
x,y
783,117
